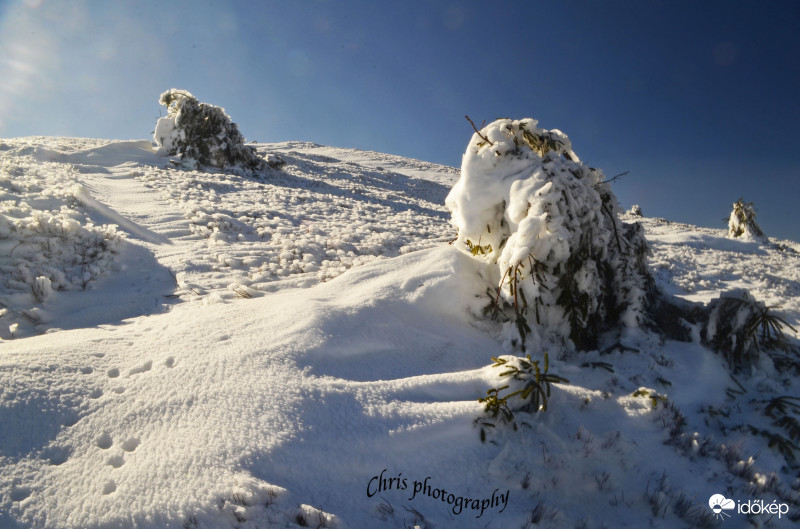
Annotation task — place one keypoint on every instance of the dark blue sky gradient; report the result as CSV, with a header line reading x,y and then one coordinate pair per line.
x,y
698,100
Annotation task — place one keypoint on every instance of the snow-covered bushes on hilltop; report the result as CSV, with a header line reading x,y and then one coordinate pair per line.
x,y
636,211
547,228
742,221
202,134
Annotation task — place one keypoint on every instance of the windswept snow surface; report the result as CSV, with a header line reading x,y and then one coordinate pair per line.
x,y
304,349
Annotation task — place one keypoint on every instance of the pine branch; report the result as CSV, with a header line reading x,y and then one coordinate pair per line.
x,y
611,179
484,138
613,224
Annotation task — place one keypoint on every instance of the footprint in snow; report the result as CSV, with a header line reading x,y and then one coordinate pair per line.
x,y
19,493
141,369
56,455
109,486
104,441
131,444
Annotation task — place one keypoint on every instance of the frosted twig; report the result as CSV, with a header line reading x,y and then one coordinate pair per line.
x,y
611,179
484,138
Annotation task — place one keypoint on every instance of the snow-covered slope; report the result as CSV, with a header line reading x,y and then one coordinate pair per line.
x,y
305,349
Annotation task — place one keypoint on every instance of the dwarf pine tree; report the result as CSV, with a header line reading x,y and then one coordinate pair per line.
x,y
202,134
740,327
547,227
742,221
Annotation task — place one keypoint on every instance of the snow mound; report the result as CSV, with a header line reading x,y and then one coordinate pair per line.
x,y
108,421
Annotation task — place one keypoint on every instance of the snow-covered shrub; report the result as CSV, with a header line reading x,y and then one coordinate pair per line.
x,y
47,244
636,211
547,228
742,221
54,251
784,431
528,388
202,134
739,327
42,288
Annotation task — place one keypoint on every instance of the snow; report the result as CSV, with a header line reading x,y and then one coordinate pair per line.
x,y
305,349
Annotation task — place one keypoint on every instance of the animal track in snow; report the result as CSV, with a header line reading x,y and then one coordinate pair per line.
x,y
104,441
87,370
109,486
56,455
141,369
170,361
116,461
19,493
113,373
130,444
96,394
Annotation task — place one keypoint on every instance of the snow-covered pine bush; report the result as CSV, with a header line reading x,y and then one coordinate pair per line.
x,y
636,211
547,228
528,385
202,135
54,251
47,243
42,288
738,326
742,221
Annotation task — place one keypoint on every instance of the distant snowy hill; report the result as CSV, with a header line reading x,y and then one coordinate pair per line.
x,y
304,348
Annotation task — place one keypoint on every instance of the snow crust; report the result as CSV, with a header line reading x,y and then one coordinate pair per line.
x,y
270,353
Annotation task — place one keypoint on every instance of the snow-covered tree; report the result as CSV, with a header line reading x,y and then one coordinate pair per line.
x,y
547,228
202,134
742,221
740,327
636,210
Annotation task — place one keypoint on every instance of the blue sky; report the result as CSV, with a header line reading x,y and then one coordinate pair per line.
x,y
697,99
